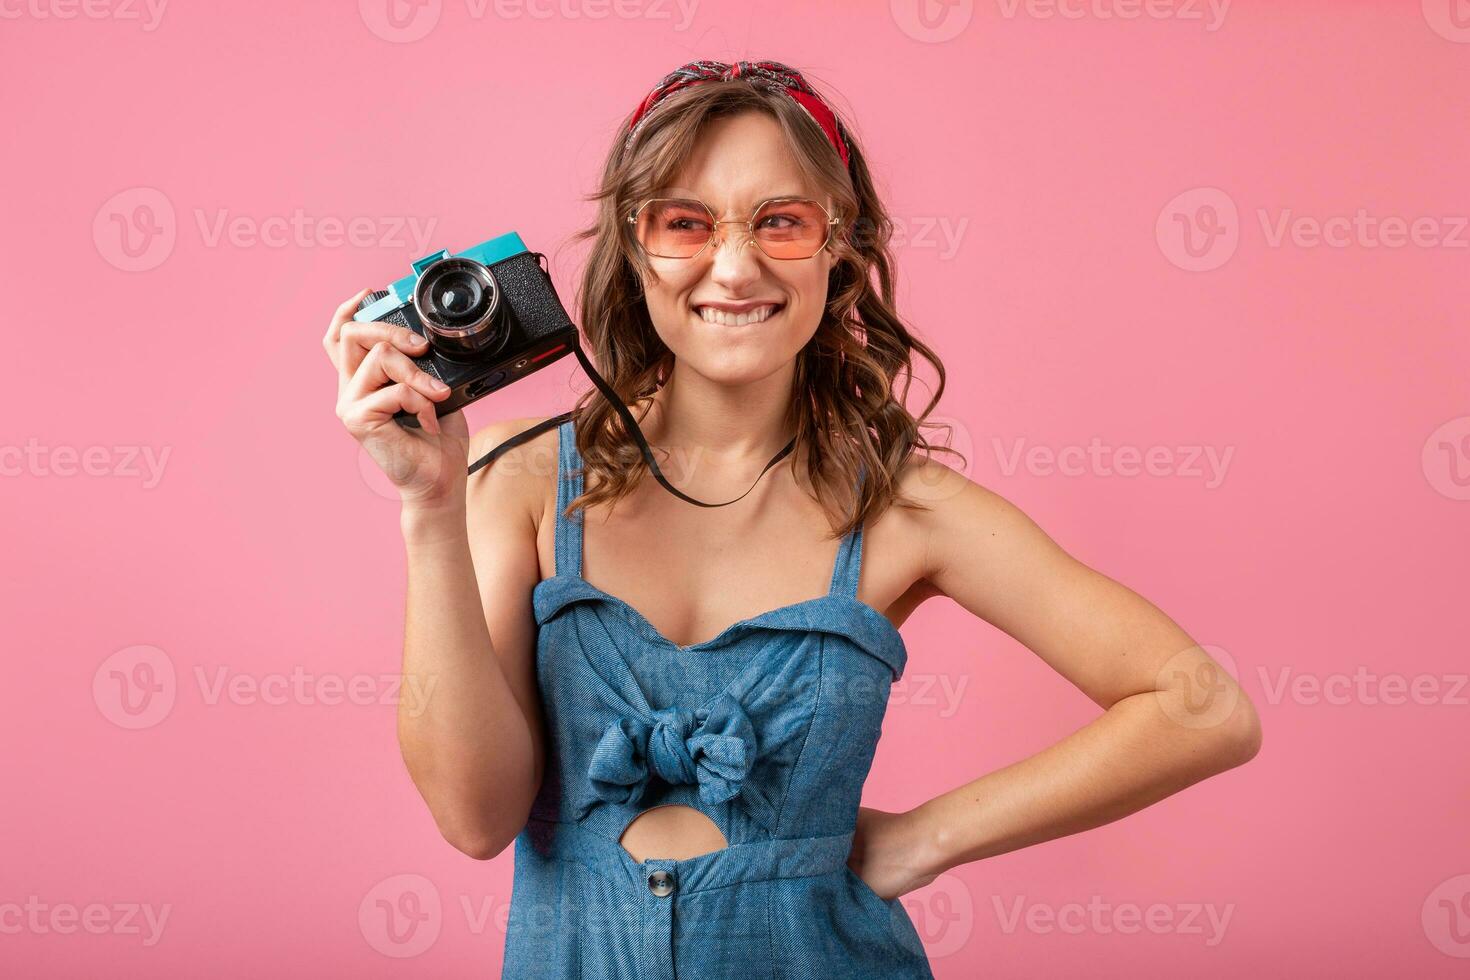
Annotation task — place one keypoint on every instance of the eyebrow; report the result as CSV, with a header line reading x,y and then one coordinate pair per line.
x,y
690,195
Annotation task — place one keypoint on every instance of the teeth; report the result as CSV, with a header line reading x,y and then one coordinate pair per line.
x,y
726,319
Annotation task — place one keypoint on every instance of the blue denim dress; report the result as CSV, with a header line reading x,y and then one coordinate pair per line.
x,y
768,728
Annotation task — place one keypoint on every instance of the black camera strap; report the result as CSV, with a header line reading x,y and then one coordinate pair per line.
x,y
632,425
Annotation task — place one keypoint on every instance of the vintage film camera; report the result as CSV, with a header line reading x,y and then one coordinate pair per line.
x,y
490,314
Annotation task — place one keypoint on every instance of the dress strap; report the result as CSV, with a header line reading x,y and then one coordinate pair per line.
x,y
569,475
848,567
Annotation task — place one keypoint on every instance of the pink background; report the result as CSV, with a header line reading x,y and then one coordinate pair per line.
x,y
1036,165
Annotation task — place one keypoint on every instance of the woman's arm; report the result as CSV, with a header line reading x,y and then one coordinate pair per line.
x,y
1155,736
474,745
469,722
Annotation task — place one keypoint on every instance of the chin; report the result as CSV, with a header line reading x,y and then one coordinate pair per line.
x,y
734,367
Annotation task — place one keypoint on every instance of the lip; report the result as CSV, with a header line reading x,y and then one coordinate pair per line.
x,y
745,307
776,310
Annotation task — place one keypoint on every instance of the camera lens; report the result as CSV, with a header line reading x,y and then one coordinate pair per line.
x,y
458,301
458,296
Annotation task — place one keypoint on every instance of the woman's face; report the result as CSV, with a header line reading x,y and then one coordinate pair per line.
x,y
738,162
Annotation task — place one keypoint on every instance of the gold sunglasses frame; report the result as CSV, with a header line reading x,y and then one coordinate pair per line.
x,y
749,223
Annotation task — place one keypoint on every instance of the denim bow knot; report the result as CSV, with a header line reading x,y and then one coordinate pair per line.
x,y
713,746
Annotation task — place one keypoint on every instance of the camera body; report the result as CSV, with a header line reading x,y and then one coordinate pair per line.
x,y
490,314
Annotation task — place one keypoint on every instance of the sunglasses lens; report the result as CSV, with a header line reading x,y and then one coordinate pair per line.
x,y
673,229
791,229
784,229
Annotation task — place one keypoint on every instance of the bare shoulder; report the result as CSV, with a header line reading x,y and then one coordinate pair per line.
x,y
968,530
520,480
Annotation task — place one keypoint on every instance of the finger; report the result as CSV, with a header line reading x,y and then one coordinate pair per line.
x,y
385,363
358,337
429,420
343,315
380,406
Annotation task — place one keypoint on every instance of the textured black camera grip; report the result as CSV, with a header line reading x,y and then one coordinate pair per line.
x,y
529,291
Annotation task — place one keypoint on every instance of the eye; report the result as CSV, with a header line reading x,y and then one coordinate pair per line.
x,y
681,216
687,223
780,221
788,218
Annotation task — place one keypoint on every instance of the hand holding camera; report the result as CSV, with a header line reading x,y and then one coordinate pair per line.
x,y
377,380
412,355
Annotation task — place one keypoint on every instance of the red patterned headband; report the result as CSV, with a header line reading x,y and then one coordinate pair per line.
x,y
785,79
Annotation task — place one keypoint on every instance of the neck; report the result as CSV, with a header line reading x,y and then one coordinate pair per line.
x,y
735,427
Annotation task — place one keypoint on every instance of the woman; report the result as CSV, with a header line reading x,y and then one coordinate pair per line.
x,y
670,709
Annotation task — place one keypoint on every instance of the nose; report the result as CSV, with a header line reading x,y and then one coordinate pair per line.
x,y
737,259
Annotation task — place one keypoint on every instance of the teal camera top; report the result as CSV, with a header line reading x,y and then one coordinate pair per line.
x,y
401,292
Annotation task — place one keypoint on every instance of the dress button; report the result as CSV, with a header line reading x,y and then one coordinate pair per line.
x,y
661,883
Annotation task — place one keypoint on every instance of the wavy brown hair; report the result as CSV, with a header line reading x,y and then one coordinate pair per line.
x,y
844,407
